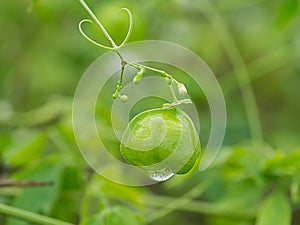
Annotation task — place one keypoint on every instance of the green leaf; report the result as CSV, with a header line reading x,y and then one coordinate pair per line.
x,y
26,147
288,11
275,209
70,200
284,164
295,189
120,215
5,141
99,187
32,5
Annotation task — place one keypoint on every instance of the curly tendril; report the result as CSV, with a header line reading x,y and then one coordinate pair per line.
x,y
89,39
114,47
129,28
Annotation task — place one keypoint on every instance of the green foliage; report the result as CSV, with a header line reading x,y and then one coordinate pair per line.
x,y
275,209
288,11
24,148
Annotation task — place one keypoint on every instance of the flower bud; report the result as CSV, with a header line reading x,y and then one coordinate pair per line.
x,y
115,95
123,98
181,89
138,76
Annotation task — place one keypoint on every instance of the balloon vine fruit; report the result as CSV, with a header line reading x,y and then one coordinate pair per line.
x,y
161,141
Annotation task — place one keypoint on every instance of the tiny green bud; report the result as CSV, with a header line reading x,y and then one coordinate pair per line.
x,y
115,95
181,89
123,98
138,76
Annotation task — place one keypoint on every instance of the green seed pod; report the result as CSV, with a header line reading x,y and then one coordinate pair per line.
x,y
162,142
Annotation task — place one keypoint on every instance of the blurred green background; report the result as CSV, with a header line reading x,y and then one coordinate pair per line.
x,y
250,45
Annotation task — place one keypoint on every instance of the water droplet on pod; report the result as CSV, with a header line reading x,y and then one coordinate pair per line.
x,y
161,175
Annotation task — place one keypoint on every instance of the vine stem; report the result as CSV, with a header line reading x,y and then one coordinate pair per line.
x,y
117,48
30,216
24,183
173,93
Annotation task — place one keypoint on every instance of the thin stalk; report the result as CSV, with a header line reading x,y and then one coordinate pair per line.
x,y
240,69
262,66
24,183
161,72
139,66
30,216
173,93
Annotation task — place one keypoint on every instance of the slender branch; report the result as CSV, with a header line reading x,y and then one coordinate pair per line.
x,y
30,216
262,66
140,66
24,183
173,93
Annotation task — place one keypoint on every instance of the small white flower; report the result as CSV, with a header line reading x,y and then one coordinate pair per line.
x,y
181,89
123,98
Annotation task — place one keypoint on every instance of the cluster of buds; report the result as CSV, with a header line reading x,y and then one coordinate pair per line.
x,y
117,94
181,89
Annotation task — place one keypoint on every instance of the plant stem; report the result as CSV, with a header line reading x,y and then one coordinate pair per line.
x,y
30,216
24,183
161,72
173,93
116,49
262,66
139,66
